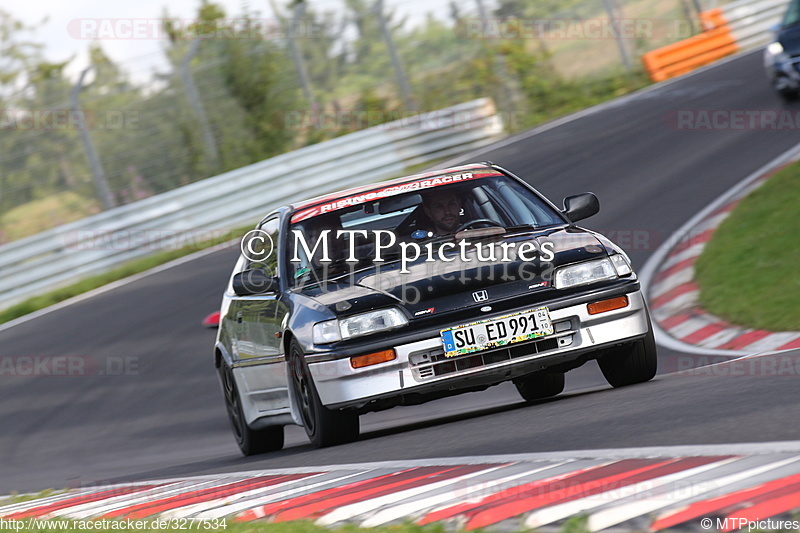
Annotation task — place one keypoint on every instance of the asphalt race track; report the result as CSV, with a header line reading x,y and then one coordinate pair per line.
x,y
140,397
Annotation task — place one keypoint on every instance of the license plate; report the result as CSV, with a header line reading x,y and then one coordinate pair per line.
x,y
496,332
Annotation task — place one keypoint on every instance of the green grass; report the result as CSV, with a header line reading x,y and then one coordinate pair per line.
x,y
569,96
15,497
749,273
39,215
128,269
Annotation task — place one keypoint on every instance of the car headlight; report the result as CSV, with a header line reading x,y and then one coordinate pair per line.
x,y
622,264
325,332
358,325
775,48
585,273
775,54
371,322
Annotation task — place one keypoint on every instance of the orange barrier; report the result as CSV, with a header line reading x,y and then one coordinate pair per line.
x,y
686,55
713,18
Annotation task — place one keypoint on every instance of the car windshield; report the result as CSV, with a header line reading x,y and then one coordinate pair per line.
x,y
792,15
491,205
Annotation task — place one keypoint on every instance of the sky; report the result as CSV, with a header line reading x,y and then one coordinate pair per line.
x,y
69,22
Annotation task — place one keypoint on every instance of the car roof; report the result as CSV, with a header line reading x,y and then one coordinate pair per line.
x,y
375,191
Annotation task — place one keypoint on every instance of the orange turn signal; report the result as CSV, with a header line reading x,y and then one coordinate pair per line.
x,y
607,305
360,361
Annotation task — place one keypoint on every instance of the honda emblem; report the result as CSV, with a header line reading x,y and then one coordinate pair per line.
x,y
480,296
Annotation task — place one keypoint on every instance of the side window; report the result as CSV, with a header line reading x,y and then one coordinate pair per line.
x,y
269,264
528,205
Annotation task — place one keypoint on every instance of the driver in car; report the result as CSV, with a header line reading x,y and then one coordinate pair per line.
x,y
444,208
311,232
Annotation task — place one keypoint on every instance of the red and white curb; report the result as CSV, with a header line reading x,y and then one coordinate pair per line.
x,y
673,293
652,489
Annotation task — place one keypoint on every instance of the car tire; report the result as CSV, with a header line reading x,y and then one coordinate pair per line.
x,y
250,441
632,363
324,427
779,84
788,96
540,385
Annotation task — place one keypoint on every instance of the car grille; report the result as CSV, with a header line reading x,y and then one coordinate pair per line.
x,y
432,363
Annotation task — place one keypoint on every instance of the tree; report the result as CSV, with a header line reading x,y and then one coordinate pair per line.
x,y
18,55
245,83
320,36
35,156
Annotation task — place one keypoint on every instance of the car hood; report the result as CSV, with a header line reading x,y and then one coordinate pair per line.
x,y
436,287
789,37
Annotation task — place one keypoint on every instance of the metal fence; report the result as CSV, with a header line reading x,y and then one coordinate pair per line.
x,y
65,254
751,22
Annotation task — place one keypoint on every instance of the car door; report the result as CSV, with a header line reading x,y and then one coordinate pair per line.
x,y
261,355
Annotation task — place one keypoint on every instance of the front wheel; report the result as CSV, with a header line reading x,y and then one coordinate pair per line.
x,y
788,96
324,427
631,363
250,441
540,385
782,85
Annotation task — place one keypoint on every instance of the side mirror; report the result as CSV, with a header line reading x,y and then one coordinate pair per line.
x,y
580,206
254,281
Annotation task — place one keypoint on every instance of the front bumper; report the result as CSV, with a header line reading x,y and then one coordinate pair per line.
x,y
784,73
420,367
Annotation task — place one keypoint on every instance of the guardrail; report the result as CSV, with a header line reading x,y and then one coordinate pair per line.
x,y
736,26
70,252
751,22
